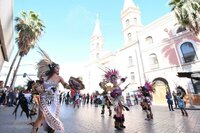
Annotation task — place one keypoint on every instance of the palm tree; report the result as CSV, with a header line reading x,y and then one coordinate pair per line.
x,y
187,13
29,28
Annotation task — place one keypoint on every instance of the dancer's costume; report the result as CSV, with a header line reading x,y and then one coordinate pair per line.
x,y
31,86
49,96
146,91
106,100
112,85
23,102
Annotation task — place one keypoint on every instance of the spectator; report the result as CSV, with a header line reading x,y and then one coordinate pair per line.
x,y
136,99
169,101
11,98
87,98
175,98
2,93
181,103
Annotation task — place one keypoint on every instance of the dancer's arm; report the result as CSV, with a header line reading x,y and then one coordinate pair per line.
x,y
126,87
65,85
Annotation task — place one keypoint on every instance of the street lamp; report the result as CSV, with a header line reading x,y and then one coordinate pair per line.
x,y
26,75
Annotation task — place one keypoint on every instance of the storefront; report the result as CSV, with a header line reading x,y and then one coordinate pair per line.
x,y
195,79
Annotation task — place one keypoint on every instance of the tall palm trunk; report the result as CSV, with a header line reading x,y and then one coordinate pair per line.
x,y
15,72
11,67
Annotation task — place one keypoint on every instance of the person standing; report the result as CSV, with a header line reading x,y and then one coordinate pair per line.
x,y
77,99
2,93
180,98
68,98
175,99
169,101
181,105
87,98
136,99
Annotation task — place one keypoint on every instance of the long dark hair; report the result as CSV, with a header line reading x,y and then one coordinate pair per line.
x,y
29,85
51,71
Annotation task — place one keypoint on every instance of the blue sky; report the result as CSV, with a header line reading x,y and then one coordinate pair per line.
x,y
70,23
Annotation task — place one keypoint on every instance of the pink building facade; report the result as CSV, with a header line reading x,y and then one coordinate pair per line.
x,y
155,53
167,49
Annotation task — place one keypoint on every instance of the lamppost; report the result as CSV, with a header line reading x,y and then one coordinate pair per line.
x,y
26,75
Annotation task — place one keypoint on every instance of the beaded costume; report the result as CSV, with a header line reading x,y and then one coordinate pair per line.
x,y
49,94
111,84
146,91
50,105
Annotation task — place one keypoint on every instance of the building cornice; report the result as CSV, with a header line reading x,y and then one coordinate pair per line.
x,y
128,46
161,21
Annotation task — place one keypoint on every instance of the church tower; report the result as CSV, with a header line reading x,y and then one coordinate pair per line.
x,y
131,21
96,42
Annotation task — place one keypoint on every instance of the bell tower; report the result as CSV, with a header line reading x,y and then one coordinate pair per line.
x,y
96,42
131,21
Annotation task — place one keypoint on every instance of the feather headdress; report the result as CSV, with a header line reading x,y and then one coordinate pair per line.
x,y
111,72
45,64
149,86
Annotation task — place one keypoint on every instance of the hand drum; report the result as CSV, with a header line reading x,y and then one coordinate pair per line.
x,y
76,83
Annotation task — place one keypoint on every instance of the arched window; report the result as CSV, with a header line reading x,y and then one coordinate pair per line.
x,y
132,76
149,40
97,47
188,52
129,37
127,22
93,46
130,60
153,61
135,20
180,29
97,55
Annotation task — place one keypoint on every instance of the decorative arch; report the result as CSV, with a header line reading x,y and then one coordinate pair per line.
x,y
180,29
183,55
153,61
135,20
129,37
127,22
149,40
161,87
161,79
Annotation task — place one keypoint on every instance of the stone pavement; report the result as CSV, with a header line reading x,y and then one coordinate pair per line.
x,y
87,119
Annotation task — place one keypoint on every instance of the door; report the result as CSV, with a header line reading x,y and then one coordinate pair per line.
x,y
160,92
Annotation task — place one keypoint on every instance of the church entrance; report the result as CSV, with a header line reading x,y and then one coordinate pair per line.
x,y
161,86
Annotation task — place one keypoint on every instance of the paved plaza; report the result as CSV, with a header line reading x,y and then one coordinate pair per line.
x,y
87,119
